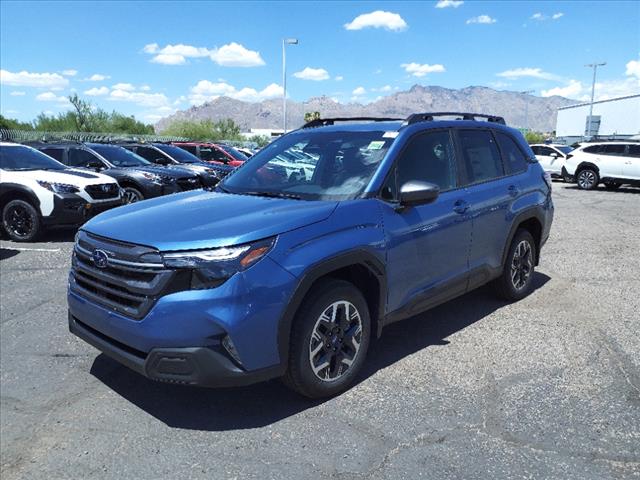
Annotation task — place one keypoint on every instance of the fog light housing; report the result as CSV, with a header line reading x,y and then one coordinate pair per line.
x,y
228,345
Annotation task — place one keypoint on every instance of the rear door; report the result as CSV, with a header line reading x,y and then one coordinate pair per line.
x,y
546,159
493,189
631,166
427,245
612,160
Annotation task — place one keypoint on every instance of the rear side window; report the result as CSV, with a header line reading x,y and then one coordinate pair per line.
x,y
514,159
55,153
189,148
616,149
80,158
634,150
429,157
480,155
592,149
149,153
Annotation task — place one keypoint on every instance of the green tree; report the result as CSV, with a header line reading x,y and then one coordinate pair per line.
x,y
204,129
309,116
260,140
534,137
13,124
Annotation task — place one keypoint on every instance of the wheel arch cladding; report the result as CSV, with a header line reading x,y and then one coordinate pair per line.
x,y
530,221
9,191
360,268
585,165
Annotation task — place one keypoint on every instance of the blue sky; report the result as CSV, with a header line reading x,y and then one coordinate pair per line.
x,y
151,58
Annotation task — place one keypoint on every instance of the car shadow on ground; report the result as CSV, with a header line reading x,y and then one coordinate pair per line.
x,y
602,189
265,403
8,253
54,235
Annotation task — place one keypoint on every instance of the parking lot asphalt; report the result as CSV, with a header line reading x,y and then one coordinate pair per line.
x,y
548,387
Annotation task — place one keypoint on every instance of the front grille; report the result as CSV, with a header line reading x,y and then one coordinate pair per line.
x,y
131,282
103,191
189,183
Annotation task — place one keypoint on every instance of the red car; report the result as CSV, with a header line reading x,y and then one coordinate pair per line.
x,y
215,153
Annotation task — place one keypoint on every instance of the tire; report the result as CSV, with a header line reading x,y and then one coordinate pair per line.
x,y
612,185
339,345
516,281
132,195
587,179
21,221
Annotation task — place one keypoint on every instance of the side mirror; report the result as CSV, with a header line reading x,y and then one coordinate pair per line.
x,y
555,155
162,161
95,164
418,193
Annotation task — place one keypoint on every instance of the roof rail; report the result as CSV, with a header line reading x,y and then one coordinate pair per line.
x,y
429,116
323,122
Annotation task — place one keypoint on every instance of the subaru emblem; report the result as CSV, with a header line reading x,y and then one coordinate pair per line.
x,y
106,187
100,258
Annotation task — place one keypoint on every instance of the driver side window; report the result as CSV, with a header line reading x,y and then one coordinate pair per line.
x,y
429,157
81,158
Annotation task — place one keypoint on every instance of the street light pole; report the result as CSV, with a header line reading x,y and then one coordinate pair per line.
x,y
593,90
285,42
526,109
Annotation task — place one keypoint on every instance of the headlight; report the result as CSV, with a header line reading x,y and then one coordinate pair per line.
x,y
159,179
58,187
211,268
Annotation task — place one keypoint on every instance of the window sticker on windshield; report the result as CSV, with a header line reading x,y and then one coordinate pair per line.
x,y
390,134
376,145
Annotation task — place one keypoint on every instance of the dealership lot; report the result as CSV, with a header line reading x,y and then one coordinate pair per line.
x,y
547,387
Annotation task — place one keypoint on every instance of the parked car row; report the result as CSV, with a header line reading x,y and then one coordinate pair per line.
x,y
613,163
53,194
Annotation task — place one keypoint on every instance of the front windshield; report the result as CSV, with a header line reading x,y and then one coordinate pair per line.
x,y
120,157
26,158
178,153
234,153
312,165
565,149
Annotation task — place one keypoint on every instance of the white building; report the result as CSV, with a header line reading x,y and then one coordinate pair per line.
x,y
263,132
614,118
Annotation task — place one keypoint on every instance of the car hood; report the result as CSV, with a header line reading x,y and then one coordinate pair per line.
x,y
201,219
168,172
78,178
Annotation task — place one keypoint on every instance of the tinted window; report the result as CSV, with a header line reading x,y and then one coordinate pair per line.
x,y
213,154
234,153
429,157
189,148
536,150
634,150
149,153
55,153
178,153
80,158
120,157
545,151
513,157
613,149
26,158
592,149
480,155
565,149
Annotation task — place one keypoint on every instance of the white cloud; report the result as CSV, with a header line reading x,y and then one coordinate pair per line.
x,y
153,100
537,16
230,55
206,91
540,17
378,19
97,91
499,85
28,79
316,74
17,93
604,89
236,55
359,91
528,72
573,89
485,19
97,77
51,97
420,70
124,86
70,73
633,68
145,88
449,3
386,88
556,16
339,78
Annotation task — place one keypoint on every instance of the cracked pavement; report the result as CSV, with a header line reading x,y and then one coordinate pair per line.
x,y
545,388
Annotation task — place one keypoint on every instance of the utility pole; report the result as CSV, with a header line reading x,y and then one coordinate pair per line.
x,y
285,42
593,89
526,109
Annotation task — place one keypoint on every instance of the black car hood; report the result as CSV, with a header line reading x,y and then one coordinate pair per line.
x,y
168,172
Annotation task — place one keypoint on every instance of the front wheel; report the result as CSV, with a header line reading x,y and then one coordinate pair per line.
x,y
132,195
329,340
588,179
516,281
21,221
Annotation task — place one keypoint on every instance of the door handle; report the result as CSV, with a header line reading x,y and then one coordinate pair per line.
x,y
513,190
460,206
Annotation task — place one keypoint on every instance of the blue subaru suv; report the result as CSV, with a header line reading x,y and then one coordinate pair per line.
x,y
302,256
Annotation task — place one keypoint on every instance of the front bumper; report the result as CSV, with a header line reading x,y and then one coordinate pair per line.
x,y
203,366
68,209
566,176
100,207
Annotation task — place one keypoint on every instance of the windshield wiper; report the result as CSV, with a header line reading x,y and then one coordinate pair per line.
x,y
292,196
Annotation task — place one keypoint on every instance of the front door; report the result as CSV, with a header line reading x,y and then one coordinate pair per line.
x,y
427,245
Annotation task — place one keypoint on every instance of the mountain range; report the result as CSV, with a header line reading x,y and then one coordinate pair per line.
x,y
518,109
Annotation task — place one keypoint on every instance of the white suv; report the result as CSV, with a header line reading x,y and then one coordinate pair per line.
x,y
551,157
611,163
36,191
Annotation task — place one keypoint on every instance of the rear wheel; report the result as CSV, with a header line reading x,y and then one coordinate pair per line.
x,y
132,195
588,179
329,340
21,221
516,281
